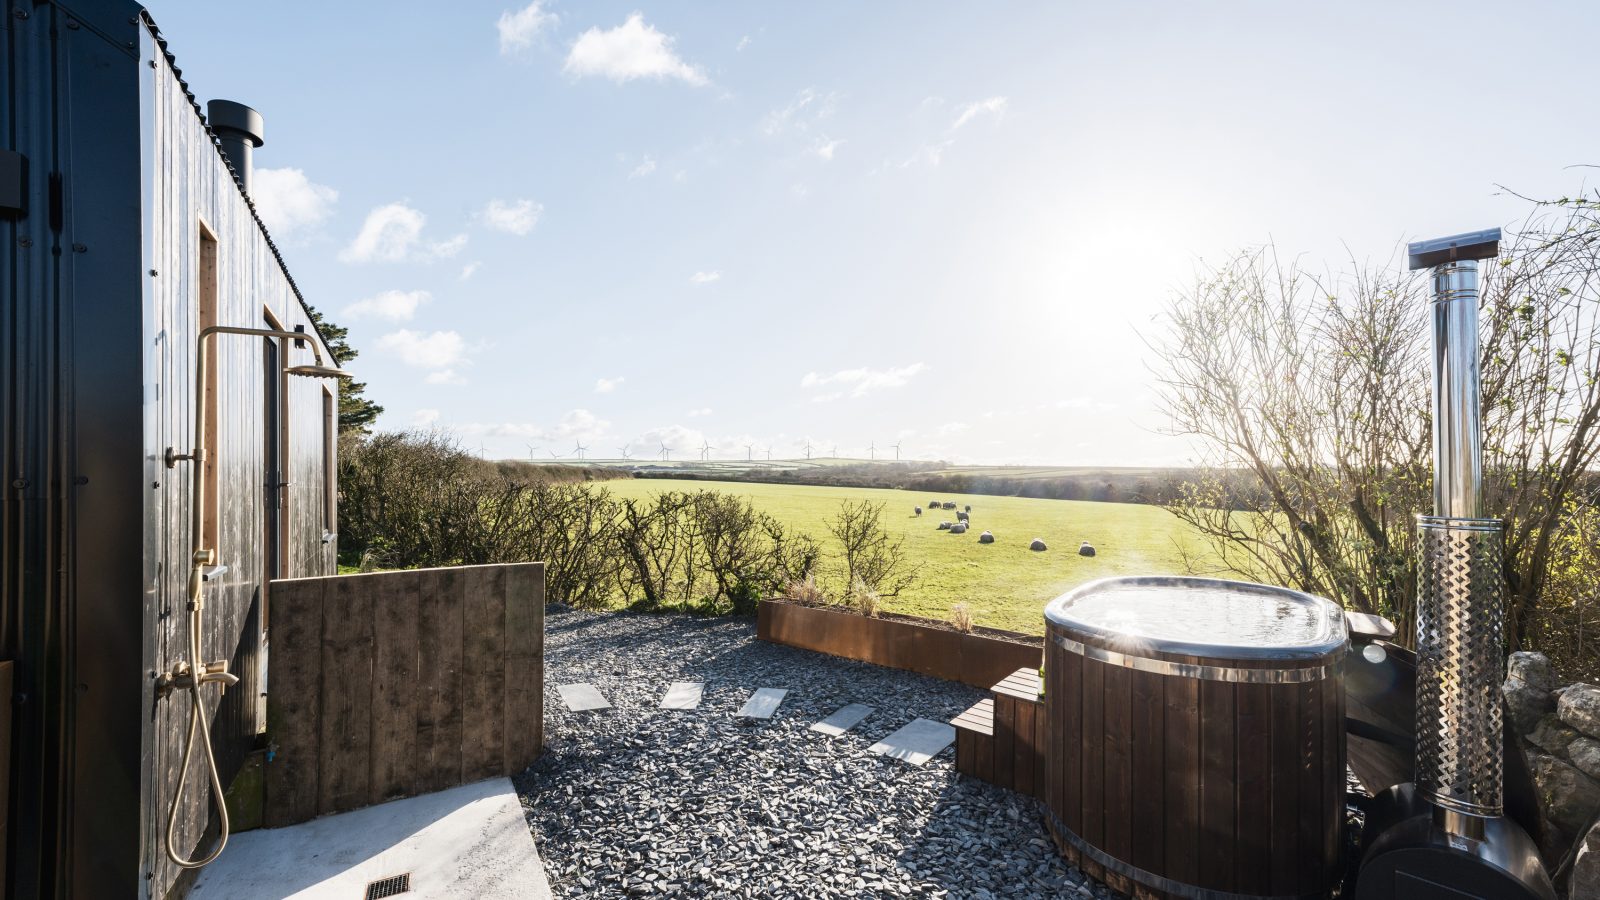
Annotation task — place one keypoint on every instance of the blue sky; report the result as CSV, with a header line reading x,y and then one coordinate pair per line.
x,y
942,224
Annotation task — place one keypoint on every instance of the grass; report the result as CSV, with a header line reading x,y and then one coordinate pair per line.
x,y
1004,584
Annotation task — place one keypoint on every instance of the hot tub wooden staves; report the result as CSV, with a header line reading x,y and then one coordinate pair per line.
x,y
1197,774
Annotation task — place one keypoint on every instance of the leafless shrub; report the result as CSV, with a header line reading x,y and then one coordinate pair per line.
x,y
868,554
1318,387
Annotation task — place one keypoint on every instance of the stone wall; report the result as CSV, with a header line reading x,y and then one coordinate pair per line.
x,y
1560,730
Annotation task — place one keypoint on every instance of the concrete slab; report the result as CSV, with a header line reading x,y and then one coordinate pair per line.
x,y
843,719
917,742
468,841
683,695
763,703
582,697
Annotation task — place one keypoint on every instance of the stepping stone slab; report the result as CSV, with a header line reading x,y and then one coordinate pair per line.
x,y
763,703
582,697
843,719
917,742
683,695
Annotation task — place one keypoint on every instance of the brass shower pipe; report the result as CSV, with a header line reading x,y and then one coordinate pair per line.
x,y
190,674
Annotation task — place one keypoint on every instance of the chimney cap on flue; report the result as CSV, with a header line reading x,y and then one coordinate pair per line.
x,y
240,130
1483,244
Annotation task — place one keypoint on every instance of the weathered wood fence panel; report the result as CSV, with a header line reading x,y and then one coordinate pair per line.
x,y
392,684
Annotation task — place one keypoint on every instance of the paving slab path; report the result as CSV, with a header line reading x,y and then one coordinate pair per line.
x,y
641,801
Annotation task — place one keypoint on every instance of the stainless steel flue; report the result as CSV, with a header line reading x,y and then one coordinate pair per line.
x,y
1459,661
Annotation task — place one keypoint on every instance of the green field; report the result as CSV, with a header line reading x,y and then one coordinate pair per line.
x,y
1005,583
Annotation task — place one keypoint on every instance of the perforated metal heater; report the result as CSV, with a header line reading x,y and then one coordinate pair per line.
x,y
1445,836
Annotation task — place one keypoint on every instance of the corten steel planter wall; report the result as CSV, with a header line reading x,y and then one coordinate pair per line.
x,y
897,643
393,684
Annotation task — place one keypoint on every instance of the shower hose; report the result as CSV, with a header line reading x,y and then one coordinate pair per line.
x,y
197,719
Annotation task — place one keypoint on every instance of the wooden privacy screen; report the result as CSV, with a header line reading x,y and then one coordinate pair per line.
x,y
393,684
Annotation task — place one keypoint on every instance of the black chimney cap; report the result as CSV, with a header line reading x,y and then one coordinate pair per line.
x,y
227,116
1472,245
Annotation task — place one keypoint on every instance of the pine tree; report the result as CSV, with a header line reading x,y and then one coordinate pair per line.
x,y
356,412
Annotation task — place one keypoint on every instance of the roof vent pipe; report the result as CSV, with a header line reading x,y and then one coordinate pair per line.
x,y
241,130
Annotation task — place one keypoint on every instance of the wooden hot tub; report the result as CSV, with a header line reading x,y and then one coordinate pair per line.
x,y
1196,746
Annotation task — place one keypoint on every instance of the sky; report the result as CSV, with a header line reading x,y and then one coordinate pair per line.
x,y
947,226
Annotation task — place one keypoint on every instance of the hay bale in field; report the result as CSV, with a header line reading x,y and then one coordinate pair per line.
x,y
944,526
986,538
961,516
1085,549
1038,544
958,528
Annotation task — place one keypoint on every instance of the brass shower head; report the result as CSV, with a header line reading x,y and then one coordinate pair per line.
x,y
317,372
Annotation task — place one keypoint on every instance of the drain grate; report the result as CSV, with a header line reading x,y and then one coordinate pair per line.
x,y
388,887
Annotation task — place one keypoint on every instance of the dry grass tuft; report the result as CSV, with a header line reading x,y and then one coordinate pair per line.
x,y
961,618
865,599
805,591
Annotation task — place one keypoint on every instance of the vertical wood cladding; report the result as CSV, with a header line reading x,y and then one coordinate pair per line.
x,y
392,684
203,247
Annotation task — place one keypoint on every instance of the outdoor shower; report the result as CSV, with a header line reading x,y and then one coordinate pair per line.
x,y
191,674
1446,834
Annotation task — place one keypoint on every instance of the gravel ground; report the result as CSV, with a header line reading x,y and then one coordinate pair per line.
x,y
638,800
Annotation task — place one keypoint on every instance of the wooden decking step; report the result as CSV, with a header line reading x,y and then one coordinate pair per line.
x,y
977,718
1022,684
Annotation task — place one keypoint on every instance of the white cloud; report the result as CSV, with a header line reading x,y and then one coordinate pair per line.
x,y
396,306
577,425
445,376
629,51
803,112
706,277
393,232
516,218
995,106
743,43
859,382
608,385
699,413
434,350
518,29
468,269
643,169
288,201
824,148
950,428
423,418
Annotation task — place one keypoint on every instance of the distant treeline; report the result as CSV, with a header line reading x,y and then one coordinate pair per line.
x,y
554,473
1154,486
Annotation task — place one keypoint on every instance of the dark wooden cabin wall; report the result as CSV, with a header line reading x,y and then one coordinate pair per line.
x,y
189,183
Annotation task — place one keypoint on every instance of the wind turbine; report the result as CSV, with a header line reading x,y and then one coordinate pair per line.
x,y
769,454
624,449
747,452
705,450
808,450
896,446
835,453
873,450
578,449
483,452
666,452
531,448
554,455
